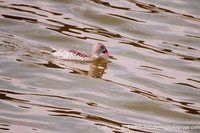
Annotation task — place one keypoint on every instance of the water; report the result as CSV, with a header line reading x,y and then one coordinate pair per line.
x,y
152,86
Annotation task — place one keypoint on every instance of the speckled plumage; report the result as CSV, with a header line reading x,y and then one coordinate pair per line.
x,y
71,55
80,56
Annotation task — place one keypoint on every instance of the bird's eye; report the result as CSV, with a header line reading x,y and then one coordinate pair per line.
x,y
102,47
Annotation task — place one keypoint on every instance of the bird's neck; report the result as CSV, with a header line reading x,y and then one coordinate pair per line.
x,y
95,56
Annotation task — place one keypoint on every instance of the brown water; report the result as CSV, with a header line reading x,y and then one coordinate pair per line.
x,y
152,86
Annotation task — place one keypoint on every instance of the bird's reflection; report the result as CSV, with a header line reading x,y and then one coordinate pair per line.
x,y
96,68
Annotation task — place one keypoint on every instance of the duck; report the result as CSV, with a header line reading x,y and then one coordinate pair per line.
x,y
75,55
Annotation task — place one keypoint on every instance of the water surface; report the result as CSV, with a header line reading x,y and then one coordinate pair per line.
x,y
152,86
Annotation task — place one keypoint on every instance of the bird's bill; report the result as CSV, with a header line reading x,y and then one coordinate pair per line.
x,y
107,53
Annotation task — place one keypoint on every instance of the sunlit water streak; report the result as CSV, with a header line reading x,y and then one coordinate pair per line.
x,y
152,86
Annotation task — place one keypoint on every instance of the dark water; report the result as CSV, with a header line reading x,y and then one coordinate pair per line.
x,y
152,86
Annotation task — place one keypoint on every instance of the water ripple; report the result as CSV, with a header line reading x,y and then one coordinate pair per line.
x,y
155,73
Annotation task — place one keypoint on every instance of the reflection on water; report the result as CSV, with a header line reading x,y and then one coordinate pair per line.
x,y
153,86
96,69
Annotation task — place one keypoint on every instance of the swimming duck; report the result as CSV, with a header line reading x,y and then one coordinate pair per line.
x,y
75,55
